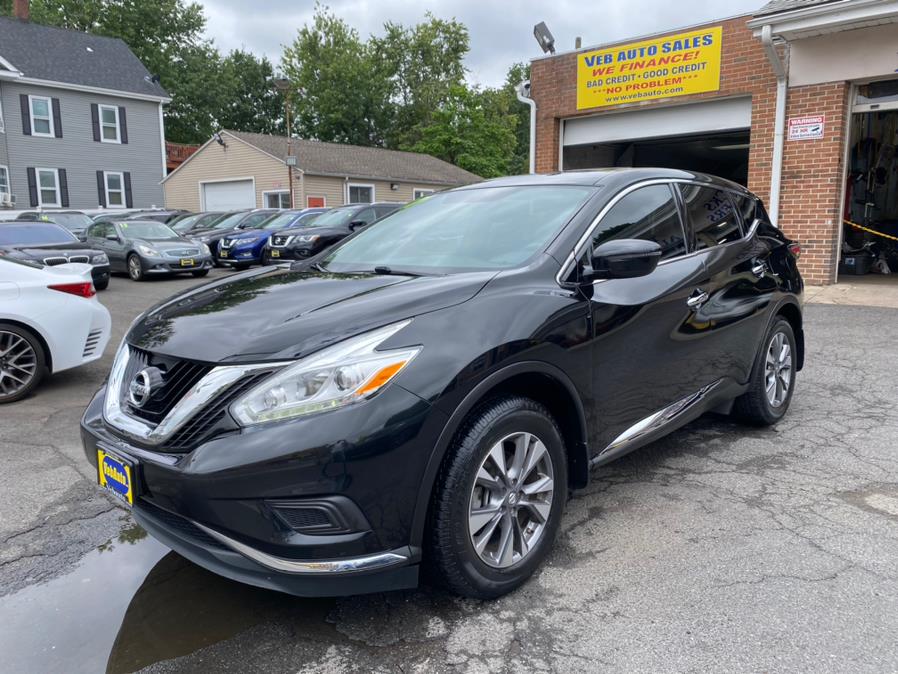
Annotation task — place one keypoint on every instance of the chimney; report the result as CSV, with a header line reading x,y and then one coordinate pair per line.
x,y
20,10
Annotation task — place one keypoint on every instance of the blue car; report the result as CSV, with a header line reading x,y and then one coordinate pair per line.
x,y
243,249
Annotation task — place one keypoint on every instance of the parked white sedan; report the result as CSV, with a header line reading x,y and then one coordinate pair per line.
x,y
50,320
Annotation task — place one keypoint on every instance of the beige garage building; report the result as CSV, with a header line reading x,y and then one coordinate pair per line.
x,y
235,170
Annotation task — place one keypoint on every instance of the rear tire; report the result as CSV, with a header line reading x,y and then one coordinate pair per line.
x,y
135,268
490,525
23,362
772,380
199,273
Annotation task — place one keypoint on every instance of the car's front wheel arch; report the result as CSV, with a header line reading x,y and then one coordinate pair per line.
x,y
537,380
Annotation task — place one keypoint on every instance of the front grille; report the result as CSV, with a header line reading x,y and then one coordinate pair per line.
x,y
90,344
178,377
183,252
280,240
227,243
213,418
59,259
304,518
180,524
79,258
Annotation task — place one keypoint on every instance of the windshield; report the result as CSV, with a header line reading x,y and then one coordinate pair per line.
x,y
186,223
287,219
147,230
483,228
68,220
334,218
230,221
37,234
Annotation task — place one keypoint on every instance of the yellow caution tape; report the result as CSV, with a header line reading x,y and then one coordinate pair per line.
x,y
872,231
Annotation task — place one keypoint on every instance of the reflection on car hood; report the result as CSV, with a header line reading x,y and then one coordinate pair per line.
x,y
250,235
277,313
167,244
49,249
303,231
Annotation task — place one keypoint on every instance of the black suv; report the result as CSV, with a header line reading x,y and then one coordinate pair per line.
x,y
429,389
325,230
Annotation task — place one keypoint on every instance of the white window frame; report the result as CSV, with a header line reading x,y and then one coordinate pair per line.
x,y
418,193
121,190
4,170
118,124
265,199
49,100
370,186
323,198
2,123
40,188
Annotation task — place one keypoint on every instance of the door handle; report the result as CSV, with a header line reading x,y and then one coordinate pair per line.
x,y
759,268
698,298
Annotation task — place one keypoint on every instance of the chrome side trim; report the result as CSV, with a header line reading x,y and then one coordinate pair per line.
x,y
369,563
216,381
658,420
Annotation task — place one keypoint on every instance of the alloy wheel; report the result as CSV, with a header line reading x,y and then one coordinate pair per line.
x,y
18,363
134,267
511,499
778,370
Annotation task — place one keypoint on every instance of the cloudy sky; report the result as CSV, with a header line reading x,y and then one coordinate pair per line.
x,y
501,32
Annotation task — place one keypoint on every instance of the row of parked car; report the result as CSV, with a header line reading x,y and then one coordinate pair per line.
x,y
145,244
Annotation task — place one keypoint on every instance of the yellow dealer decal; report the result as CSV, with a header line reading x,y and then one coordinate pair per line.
x,y
675,65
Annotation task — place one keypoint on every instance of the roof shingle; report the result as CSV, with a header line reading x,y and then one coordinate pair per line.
x,y
355,161
71,57
778,6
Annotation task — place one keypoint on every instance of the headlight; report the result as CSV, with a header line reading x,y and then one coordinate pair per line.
x,y
340,375
309,238
146,250
205,249
99,259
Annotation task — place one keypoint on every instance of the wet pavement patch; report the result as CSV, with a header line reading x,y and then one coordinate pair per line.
x,y
132,603
880,499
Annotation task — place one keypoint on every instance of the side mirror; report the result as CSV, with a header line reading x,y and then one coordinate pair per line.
x,y
355,224
112,237
624,258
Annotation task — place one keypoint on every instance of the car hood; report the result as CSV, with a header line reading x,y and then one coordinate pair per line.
x,y
48,249
250,235
163,245
302,231
281,313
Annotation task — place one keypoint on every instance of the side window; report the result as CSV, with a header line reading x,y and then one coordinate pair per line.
x,y
711,216
649,213
367,216
748,208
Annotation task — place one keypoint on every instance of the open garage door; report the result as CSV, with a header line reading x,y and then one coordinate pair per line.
x,y
229,195
710,137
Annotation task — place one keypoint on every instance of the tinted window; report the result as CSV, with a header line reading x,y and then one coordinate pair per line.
x,y
749,208
711,215
254,219
367,216
482,228
11,234
650,214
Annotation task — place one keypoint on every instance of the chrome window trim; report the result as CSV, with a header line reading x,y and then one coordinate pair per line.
x,y
217,380
587,235
322,566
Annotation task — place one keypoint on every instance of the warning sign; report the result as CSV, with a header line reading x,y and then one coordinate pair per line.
x,y
806,128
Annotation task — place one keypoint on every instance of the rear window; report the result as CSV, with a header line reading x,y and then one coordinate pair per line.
x,y
711,214
37,234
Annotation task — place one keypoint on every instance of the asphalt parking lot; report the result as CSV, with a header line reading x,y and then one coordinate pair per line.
x,y
719,548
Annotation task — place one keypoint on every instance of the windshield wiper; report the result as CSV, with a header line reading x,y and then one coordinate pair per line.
x,y
383,270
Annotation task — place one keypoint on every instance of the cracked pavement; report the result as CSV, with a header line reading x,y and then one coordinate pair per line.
x,y
718,548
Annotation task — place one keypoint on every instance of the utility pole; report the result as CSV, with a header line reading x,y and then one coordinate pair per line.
x,y
283,85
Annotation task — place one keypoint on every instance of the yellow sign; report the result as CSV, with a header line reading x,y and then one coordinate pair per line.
x,y
675,65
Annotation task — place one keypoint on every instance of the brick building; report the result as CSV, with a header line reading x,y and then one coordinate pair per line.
x,y
799,102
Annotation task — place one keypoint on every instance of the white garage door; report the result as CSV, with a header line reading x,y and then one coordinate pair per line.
x,y
231,195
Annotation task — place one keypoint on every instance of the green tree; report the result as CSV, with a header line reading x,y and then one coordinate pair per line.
x,y
251,102
340,91
423,63
473,129
520,160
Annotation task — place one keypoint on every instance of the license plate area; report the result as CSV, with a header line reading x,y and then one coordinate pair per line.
x,y
188,262
117,475
275,253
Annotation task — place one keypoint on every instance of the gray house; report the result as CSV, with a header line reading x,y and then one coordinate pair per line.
x,y
80,121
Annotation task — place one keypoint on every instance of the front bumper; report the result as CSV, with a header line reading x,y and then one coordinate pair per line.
x,y
218,504
292,252
239,256
100,274
168,265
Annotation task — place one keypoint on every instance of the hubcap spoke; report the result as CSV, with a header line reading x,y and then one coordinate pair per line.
x,y
778,370
481,541
18,363
480,517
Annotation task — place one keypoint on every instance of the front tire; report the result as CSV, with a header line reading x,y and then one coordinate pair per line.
x,y
499,498
22,363
772,380
135,268
101,285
